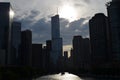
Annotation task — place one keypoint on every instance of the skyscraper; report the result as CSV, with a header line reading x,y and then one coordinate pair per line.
x,y
56,40
65,61
98,39
48,52
37,55
77,50
6,16
113,9
55,23
81,52
16,40
26,48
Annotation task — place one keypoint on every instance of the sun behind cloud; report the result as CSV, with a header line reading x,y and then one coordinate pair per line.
x,y
68,12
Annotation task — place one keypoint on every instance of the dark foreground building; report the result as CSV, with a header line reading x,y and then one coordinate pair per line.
x,y
113,9
81,52
48,53
37,55
6,16
98,39
25,57
16,41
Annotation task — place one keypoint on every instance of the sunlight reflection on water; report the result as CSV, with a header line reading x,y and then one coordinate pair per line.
x,y
66,76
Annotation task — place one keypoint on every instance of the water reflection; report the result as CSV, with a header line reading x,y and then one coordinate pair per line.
x,y
66,76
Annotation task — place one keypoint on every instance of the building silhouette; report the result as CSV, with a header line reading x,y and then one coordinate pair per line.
x,y
16,41
26,48
71,60
86,56
48,53
77,50
37,55
41,56
65,61
98,39
113,9
6,18
81,52
45,58
56,53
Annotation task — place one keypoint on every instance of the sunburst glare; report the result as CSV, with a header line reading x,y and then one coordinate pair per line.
x,y
68,12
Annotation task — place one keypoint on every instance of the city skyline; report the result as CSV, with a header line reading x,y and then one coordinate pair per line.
x,y
95,42
39,17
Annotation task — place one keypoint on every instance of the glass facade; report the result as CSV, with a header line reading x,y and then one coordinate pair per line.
x,y
16,40
5,29
56,40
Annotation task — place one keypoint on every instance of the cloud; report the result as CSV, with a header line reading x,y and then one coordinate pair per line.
x,y
48,7
41,29
35,15
87,1
82,3
77,27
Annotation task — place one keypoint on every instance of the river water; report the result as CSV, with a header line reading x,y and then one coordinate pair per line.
x,y
68,76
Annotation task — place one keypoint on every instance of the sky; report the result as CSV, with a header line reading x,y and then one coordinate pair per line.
x,y
74,16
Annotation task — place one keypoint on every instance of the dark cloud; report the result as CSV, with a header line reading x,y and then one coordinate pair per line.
x,y
77,27
41,31
87,1
33,14
40,28
82,3
28,15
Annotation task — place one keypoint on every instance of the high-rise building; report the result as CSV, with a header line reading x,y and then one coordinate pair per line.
x,y
45,58
37,55
98,39
77,50
65,61
113,9
86,53
81,52
55,23
26,48
2,57
48,53
6,17
16,41
56,40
